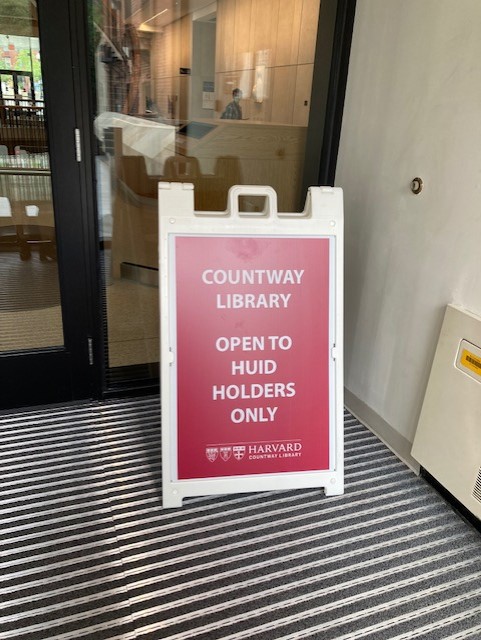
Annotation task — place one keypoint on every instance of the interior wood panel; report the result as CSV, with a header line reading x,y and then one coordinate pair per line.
x,y
309,20
172,42
288,32
264,26
244,58
271,33
185,57
261,111
184,97
225,55
303,91
283,92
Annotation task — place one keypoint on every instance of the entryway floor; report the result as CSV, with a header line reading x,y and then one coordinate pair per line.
x,y
88,552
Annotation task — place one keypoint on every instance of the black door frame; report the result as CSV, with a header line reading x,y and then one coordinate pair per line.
x,y
70,372
333,48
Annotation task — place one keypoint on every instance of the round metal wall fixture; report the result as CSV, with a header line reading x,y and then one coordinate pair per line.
x,y
417,185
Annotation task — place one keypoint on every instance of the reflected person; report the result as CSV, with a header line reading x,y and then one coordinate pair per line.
x,y
233,110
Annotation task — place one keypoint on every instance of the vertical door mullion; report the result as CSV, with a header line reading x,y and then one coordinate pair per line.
x,y
58,68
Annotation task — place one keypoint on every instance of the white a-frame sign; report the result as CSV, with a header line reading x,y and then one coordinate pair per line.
x,y
251,344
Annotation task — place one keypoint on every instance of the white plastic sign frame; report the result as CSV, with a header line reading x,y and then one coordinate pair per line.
x,y
200,291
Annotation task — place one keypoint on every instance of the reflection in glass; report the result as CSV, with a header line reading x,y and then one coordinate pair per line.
x,y
30,312
212,93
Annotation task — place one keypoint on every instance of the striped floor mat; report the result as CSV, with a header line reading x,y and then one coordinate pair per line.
x,y
87,552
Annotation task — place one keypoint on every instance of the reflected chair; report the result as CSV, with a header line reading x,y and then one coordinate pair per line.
x,y
181,169
8,230
132,172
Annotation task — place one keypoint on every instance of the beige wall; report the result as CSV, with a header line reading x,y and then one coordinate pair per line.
x,y
412,109
277,34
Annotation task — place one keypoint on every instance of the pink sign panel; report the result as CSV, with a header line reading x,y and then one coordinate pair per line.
x,y
252,355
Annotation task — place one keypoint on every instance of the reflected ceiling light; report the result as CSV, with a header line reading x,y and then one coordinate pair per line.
x,y
156,16
146,27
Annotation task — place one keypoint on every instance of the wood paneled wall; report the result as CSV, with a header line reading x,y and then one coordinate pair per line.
x,y
172,50
281,36
277,34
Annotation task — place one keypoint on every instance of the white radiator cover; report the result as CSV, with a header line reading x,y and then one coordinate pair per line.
x,y
448,437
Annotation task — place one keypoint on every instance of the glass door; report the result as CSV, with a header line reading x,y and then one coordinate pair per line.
x,y
211,93
46,345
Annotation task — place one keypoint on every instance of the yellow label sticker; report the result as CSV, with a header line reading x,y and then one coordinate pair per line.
x,y
471,361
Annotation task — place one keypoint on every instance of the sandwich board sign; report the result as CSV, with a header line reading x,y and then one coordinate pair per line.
x,y
251,344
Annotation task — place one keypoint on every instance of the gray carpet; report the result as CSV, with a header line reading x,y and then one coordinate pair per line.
x,y
87,552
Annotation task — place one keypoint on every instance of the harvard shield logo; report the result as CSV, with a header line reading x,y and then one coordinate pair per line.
x,y
212,453
225,453
239,452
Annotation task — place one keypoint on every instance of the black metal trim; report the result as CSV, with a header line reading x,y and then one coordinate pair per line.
x,y
35,378
85,114
334,35
150,387
337,91
56,29
62,374
460,509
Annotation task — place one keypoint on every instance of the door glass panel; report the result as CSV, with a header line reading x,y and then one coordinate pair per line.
x,y
213,93
30,311
24,89
8,89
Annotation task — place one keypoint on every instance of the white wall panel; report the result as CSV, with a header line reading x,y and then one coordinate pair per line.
x,y
412,108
